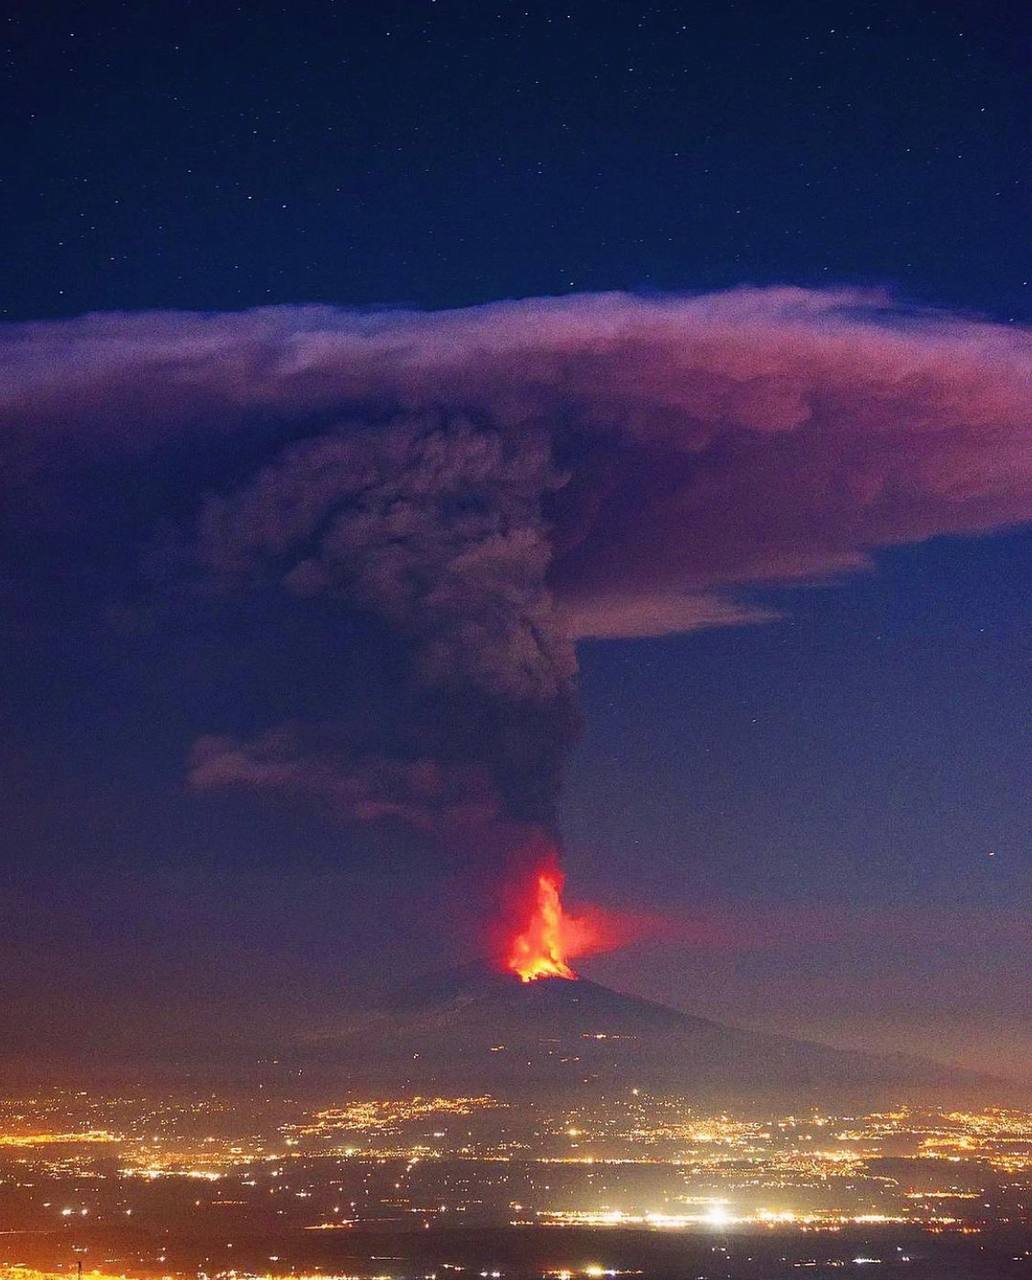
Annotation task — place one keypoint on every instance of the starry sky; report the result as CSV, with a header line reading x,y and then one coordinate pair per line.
x,y
827,796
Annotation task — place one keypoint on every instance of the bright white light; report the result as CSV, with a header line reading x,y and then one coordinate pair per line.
x,y
718,1216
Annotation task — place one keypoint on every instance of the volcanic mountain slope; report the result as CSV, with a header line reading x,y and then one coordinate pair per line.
x,y
474,1029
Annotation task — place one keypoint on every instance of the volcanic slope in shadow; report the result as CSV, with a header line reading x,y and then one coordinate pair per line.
x,y
473,1029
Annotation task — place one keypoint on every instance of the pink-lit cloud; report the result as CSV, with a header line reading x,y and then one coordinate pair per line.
x,y
499,482
297,762
712,443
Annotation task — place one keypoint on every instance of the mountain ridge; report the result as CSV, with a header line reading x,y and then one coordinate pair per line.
x,y
476,1028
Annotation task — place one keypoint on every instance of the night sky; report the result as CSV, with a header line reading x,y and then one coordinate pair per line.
x,y
786,526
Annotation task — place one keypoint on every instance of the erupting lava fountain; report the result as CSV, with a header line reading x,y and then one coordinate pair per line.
x,y
550,937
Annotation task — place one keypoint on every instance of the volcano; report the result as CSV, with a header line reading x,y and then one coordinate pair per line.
x,y
477,1030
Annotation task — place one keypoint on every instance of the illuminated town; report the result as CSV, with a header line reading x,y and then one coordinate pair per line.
x,y
123,1185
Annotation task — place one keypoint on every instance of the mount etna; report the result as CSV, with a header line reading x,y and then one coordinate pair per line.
x,y
475,1029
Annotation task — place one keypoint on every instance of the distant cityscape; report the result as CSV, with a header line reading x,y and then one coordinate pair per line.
x,y
129,1185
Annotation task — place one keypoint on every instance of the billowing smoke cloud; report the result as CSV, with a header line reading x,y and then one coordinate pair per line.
x,y
493,484
435,525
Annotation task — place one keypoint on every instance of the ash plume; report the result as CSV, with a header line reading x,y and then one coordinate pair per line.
x,y
436,527
490,486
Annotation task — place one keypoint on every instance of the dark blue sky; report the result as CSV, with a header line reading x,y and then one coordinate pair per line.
x,y
857,761
442,152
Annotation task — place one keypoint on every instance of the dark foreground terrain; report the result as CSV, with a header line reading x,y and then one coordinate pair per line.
x,y
567,1253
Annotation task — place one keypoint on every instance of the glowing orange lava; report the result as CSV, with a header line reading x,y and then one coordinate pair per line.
x,y
550,936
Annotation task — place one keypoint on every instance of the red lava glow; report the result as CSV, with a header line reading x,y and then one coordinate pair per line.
x,y
550,937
